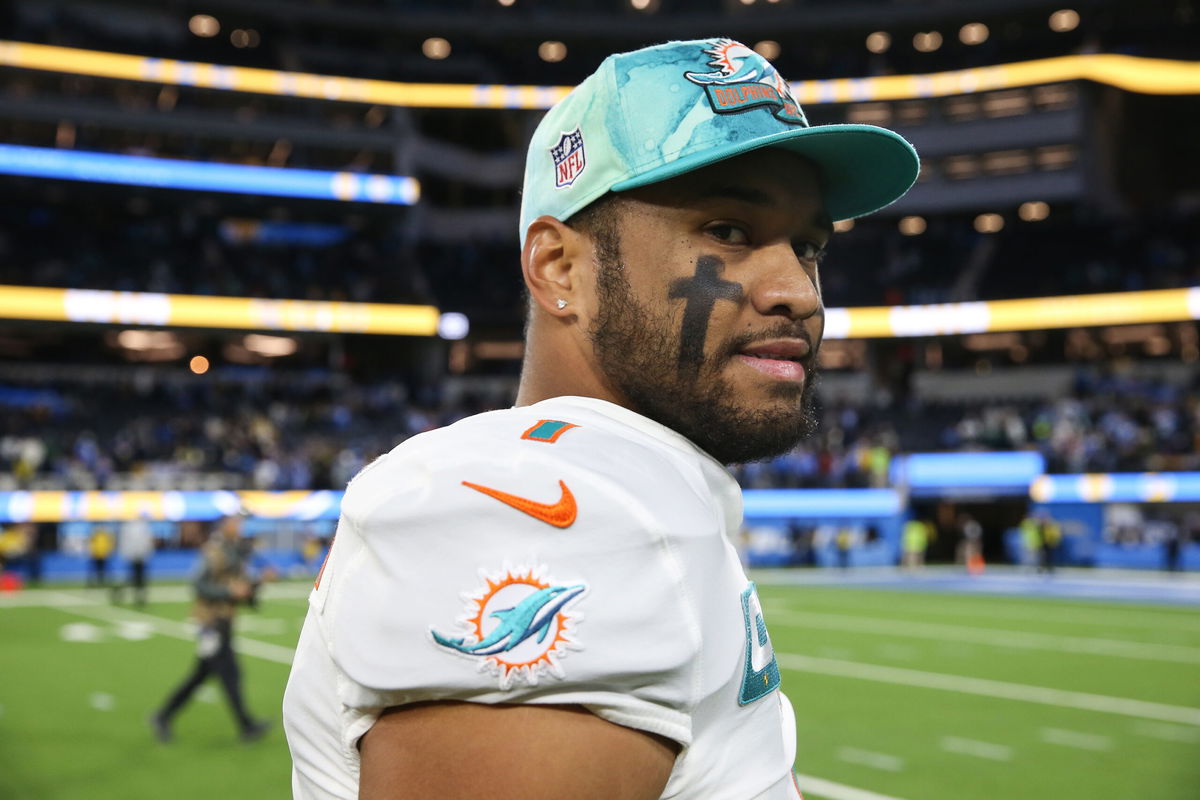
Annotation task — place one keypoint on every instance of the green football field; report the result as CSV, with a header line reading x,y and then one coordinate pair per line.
x,y
907,695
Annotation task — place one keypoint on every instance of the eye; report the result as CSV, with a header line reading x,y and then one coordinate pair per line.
x,y
809,251
728,233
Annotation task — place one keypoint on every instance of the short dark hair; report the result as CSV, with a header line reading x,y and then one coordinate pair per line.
x,y
598,217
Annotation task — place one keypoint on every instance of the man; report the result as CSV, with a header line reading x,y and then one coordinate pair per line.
x,y
222,584
136,546
100,546
543,601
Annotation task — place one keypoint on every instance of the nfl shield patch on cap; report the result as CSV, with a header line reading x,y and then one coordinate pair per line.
x,y
570,159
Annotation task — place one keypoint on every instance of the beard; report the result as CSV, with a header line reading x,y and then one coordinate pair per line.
x,y
637,351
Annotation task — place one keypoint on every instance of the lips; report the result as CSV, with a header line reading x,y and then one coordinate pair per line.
x,y
782,359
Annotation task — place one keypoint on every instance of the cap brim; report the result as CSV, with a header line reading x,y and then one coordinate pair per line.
x,y
863,167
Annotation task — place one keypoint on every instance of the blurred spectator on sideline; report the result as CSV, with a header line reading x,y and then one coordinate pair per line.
x,y
1049,539
1031,541
135,546
16,542
914,541
844,541
100,547
970,544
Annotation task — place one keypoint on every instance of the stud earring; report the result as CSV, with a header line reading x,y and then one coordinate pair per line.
x,y
561,304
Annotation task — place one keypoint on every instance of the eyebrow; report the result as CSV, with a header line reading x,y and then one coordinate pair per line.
x,y
757,197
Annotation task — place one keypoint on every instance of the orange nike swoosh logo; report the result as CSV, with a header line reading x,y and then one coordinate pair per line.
x,y
560,514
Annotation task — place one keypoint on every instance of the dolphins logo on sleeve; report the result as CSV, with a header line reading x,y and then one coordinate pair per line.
x,y
518,626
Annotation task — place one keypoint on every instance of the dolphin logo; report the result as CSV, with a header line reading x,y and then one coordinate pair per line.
x,y
735,63
743,79
531,616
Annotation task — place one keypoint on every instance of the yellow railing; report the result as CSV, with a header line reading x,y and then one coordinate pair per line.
x,y
240,313
1036,313
1147,75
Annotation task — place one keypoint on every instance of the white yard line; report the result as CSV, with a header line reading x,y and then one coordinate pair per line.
x,y
837,791
1076,739
38,598
93,609
869,758
991,637
1167,732
178,593
991,688
978,749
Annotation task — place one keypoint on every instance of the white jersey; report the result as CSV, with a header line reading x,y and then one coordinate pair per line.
x,y
568,552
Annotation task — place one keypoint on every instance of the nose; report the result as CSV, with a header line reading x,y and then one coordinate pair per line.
x,y
786,286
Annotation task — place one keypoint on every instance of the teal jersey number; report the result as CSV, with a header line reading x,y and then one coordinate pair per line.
x,y
762,672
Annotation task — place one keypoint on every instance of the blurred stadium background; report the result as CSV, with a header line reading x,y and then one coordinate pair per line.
x,y
248,246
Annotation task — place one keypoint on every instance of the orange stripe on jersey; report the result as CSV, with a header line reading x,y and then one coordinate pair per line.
x,y
547,430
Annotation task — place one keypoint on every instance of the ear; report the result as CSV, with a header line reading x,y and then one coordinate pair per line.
x,y
551,261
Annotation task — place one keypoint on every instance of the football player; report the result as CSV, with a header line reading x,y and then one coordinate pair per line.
x,y
543,601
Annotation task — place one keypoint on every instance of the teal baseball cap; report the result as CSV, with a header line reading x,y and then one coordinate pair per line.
x,y
655,113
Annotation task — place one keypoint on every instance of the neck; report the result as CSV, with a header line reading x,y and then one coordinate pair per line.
x,y
559,363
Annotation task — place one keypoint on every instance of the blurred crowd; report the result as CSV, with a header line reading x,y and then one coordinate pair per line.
x,y
130,434
198,250
315,431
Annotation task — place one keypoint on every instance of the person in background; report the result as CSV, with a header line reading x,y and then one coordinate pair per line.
x,y
100,548
970,546
1172,547
14,547
1031,540
845,543
914,539
1049,538
136,545
223,584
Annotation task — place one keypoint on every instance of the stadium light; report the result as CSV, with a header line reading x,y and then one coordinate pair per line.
x,y
879,42
506,3
269,346
1064,20
927,41
244,37
973,33
989,223
453,326
552,51
912,226
167,173
768,49
1033,211
435,48
204,26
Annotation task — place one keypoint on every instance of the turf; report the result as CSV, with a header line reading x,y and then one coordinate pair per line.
x,y
77,681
